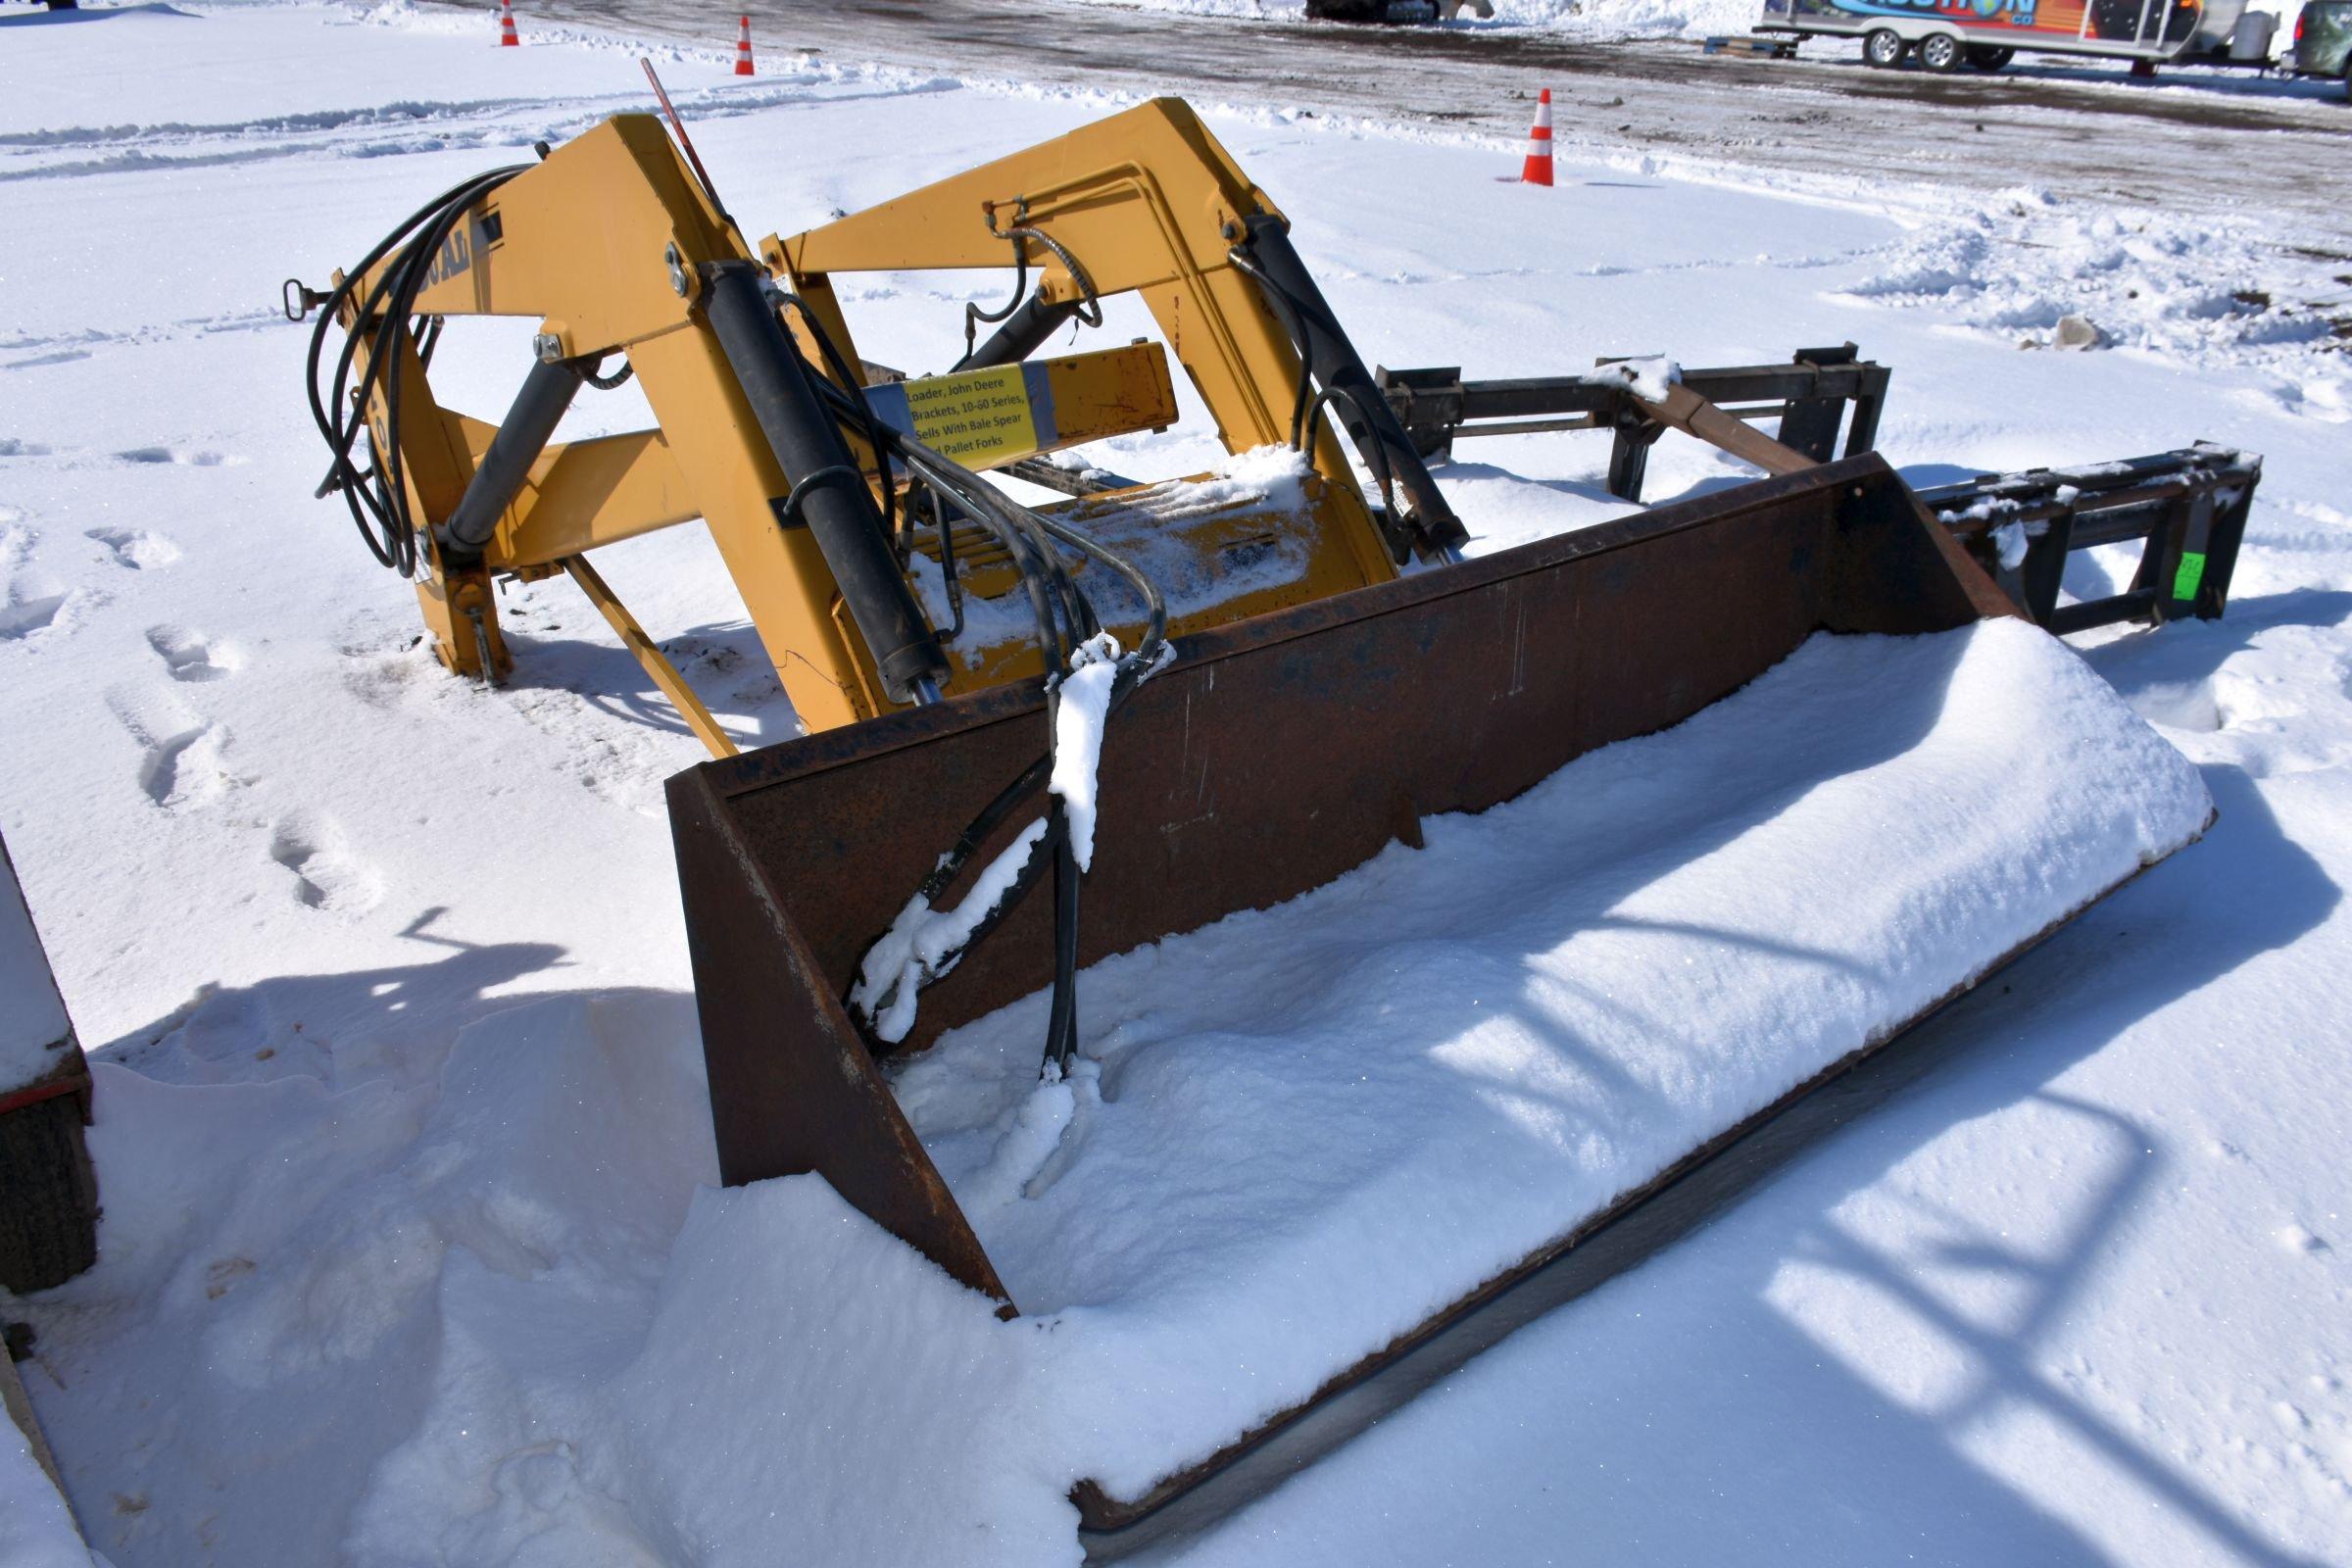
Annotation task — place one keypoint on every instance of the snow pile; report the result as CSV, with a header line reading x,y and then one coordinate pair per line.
x,y
1623,19
1651,946
497,1324
297,1288
488,1320
1649,377
2196,292
812,1390
1592,18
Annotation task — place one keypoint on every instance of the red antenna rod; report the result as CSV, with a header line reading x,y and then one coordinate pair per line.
x,y
685,141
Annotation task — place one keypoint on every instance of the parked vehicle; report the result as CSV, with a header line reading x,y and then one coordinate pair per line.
x,y
2323,44
1986,34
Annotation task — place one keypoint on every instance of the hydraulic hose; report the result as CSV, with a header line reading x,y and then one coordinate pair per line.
x,y
377,499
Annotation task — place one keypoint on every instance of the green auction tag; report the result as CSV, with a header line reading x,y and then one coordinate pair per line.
x,y
2191,573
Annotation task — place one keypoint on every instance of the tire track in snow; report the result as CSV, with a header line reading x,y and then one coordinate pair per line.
x,y
496,122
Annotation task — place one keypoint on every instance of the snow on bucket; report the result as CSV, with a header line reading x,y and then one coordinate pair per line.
x,y
1221,1241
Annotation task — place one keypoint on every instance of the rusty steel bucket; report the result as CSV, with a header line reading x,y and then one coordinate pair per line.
x,y
1275,754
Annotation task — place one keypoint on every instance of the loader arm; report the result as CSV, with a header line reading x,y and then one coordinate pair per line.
x,y
614,245
625,260
1146,202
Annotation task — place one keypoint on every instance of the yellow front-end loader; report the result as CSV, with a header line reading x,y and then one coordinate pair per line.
x,y
1261,678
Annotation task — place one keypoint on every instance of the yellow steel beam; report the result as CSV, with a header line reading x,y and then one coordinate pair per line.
x,y
581,239
584,494
1146,202
663,673
604,241
988,418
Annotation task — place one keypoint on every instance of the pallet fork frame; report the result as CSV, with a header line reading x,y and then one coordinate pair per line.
x,y
1811,397
2189,508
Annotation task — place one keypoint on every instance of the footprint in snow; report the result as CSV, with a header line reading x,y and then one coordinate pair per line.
x,y
328,876
184,456
180,762
32,601
16,540
29,600
136,549
61,357
192,658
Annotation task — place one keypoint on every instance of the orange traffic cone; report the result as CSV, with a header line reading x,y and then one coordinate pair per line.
x,y
743,49
1538,168
506,25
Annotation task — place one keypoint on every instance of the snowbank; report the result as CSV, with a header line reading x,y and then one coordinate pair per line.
x,y
1593,18
2011,267
35,1531
812,1385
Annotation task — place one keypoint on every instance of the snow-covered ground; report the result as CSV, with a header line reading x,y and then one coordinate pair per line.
x,y
400,1126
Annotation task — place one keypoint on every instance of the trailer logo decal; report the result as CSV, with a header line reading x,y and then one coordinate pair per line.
x,y
2010,13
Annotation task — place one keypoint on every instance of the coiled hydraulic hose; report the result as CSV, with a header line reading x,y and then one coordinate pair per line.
x,y
379,497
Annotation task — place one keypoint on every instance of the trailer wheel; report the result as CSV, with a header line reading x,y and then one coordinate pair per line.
x,y
1941,53
1989,56
1884,48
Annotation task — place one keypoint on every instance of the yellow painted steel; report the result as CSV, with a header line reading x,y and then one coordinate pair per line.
x,y
666,674
584,494
1146,202
602,241
1110,392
